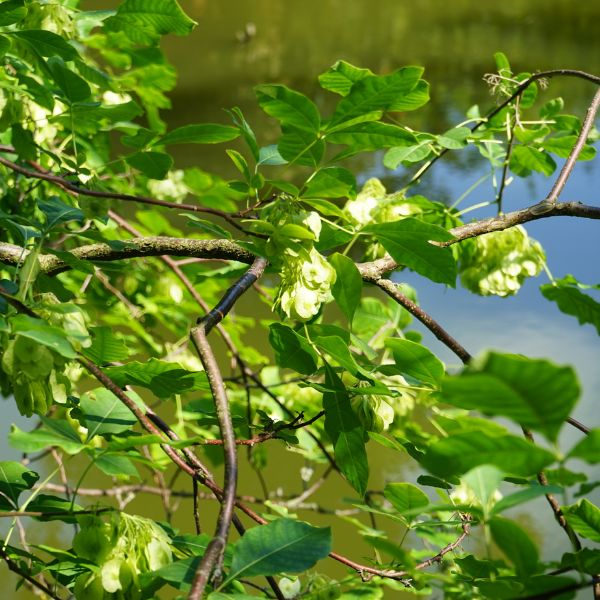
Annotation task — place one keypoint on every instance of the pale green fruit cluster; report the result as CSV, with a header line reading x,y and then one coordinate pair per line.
x,y
374,205
373,412
306,277
497,263
29,366
125,548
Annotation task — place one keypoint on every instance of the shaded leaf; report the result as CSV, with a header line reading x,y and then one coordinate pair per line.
x,y
348,284
155,165
106,346
406,497
75,88
47,43
331,182
292,351
14,479
515,544
205,133
48,335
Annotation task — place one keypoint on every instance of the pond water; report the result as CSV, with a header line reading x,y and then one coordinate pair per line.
x,y
293,43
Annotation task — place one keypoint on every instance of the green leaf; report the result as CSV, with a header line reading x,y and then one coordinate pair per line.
x,y
143,21
47,43
483,481
407,154
282,546
338,349
40,439
454,139
416,360
331,182
406,497
530,493
204,133
588,448
365,137
584,518
292,351
57,212
155,165
572,301
585,560
39,331
346,433
516,545
562,146
207,226
376,93
102,413
417,97
269,156
301,147
164,378
22,139
12,12
408,242
106,347
525,159
534,393
348,284
461,452
340,77
115,465
4,44
73,87
14,479
292,109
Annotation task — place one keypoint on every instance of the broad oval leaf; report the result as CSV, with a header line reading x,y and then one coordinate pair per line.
x,y
348,284
331,182
154,165
588,448
292,351
416,360
47,43
584,518
11,12
407,154
340,77
535,393
282,546
102,412
406,497
14,479
203,133
74,88
48,335
290,108
461,452
144,21
408,242
163,378
375,92
515,544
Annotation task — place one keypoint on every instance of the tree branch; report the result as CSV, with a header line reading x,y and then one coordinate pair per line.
x,y
213,555
82,191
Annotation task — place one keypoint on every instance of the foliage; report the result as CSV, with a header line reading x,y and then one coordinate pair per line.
x,y
96,315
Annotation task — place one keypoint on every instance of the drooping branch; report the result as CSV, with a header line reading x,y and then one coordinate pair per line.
x,y
65,184
213,555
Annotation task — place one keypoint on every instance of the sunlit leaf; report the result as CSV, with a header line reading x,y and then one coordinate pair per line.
x,y
416,360
282,546
409,243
